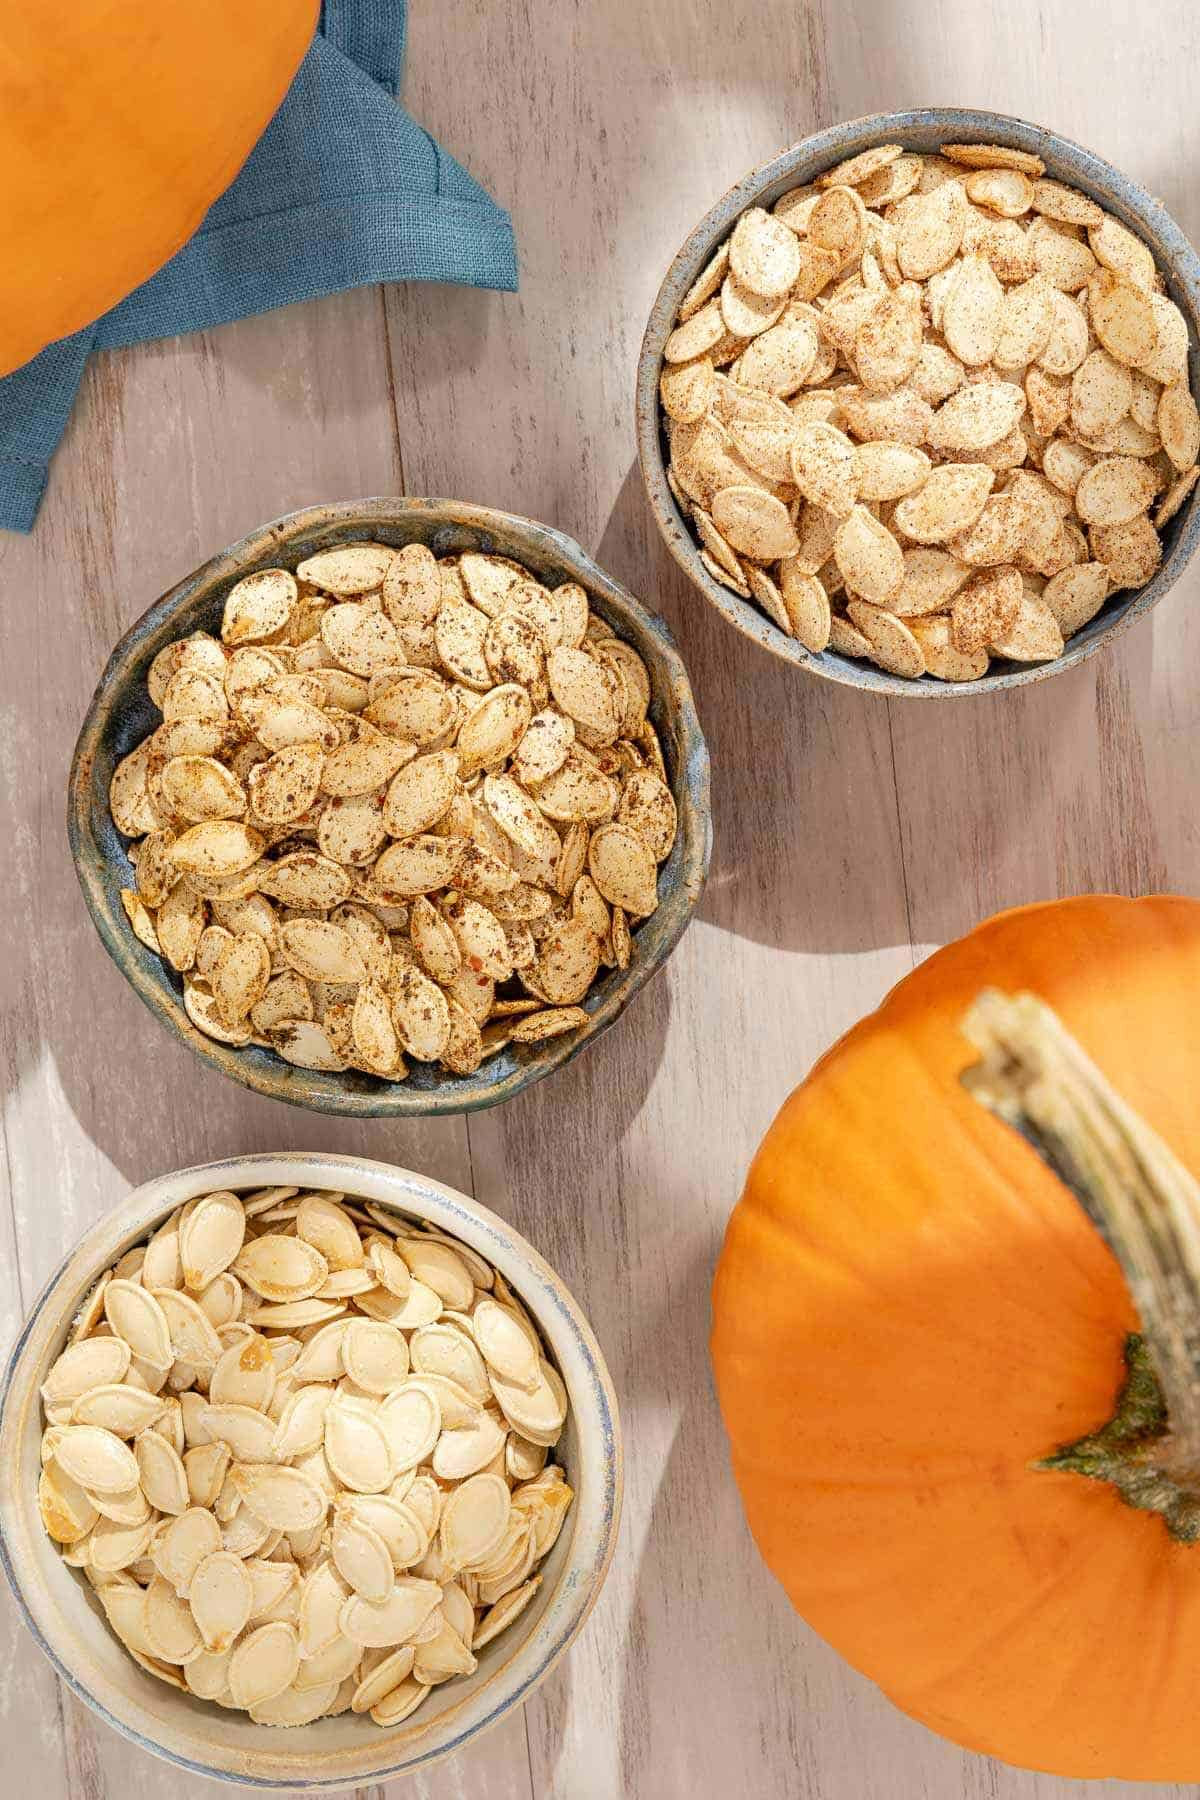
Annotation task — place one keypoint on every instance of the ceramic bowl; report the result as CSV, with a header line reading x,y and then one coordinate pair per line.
x,y
66,1619
924,129
121,715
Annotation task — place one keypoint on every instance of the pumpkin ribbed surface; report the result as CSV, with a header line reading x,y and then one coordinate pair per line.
x,y
120,124
910,1311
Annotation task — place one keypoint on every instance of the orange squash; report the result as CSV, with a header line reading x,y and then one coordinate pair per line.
x,y
912,1314
120,123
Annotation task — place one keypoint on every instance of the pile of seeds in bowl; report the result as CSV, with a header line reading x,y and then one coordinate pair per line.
x,y
930,410
406,806
298,1445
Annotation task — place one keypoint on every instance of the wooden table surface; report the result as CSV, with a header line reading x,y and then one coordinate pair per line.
x,y
851,835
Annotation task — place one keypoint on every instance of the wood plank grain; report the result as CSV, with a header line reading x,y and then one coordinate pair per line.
x,y
852,835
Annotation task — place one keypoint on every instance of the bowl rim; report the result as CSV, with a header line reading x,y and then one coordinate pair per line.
x,y
320,1091
592,1394
801,161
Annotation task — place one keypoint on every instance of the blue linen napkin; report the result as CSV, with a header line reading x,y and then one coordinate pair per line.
x,y
342,189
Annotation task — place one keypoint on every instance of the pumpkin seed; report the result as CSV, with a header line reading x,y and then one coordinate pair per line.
x,y
361,1557
384,1679
551,1023
411,1422
949,502
193,1340
194,694
500,1616
411,589
399,1703
537,1414
281,1268
350,569
419,865
1035,635
444,1349
199,651
247,1430
207,1675
474,1520
464,1450
321,1600
764,254
825,469
264,1664
221,1596
421,1015
364,762
114,1406
96,1459
161,1474
217,847
1174,498
244,1375
168,1623
375,1355
389,1270
1179,425
420,794
505,1344
1168,360
329,1229
258,606
390,1622
285,1499
357,1449
206,1466
183,1546
84,1366
1114,490
68,1514
210,1238
306,1044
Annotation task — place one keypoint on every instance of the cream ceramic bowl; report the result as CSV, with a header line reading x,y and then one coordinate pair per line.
x,y
66,1619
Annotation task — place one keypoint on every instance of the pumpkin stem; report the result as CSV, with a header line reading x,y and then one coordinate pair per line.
x,y
1036,1077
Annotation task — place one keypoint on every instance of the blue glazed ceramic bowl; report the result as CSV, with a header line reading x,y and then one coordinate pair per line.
x,y
334,1753
121,715
923,129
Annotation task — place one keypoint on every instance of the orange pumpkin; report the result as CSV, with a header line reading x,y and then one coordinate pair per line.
x,y
120,123
911,1314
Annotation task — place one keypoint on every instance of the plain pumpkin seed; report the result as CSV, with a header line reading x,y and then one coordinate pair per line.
x,y
117,1407
84,1366
361,1558
137,1318
161,1474
392,1622
264,1664
474,1520
444,1349
210,1238
375,1355
67,1512
356,1448
221,1598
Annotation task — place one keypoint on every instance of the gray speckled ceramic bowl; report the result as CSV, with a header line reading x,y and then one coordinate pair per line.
x,y
69,1625
923,129
121,715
